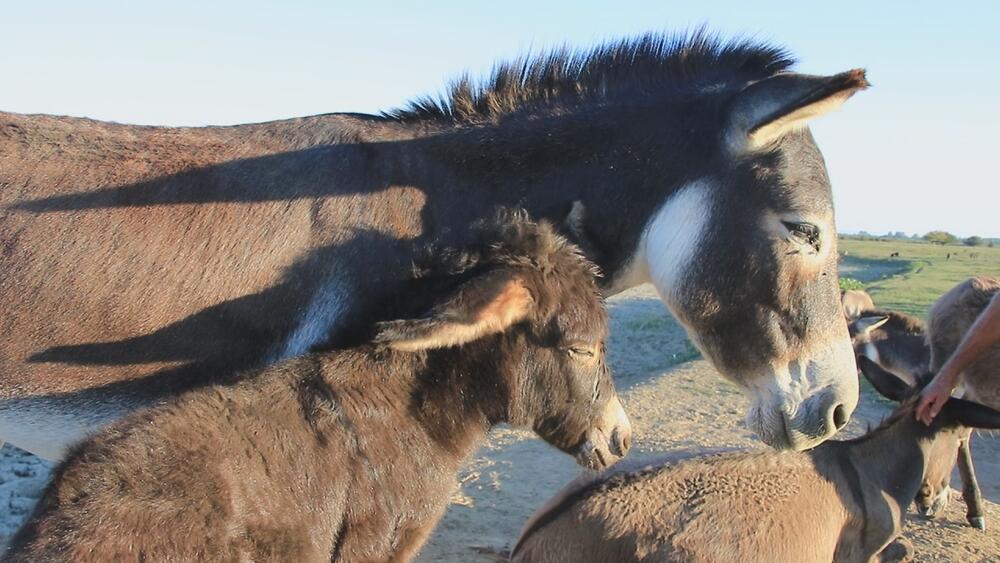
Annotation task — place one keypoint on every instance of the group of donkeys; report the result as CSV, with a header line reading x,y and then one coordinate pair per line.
x,y
283,339
352,454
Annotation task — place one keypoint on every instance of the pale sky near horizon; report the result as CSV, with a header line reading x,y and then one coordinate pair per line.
x,y
914,153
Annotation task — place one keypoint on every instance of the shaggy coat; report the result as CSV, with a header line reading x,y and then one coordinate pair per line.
x,y
841,502
350,455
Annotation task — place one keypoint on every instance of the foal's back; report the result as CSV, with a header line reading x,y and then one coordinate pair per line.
x,y
215,475
716,508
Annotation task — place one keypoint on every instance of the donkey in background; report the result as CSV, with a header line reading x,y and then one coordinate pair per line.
x,y
902,345
844,501
351,455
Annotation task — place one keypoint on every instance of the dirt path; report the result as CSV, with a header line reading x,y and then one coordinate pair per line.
x,y
680,407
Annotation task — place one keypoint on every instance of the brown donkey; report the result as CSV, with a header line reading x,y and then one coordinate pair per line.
x,y
351,455
842,501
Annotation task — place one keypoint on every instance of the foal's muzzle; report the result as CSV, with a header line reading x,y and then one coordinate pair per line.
x,y
609,440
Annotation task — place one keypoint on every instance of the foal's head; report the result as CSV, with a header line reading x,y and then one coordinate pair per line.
x,y
525,301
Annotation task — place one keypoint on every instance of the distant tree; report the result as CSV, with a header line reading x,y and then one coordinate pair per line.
x,y
974,241
940,237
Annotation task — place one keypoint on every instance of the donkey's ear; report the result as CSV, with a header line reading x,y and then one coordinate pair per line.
x,y
971,414
887,384
867,324
764,111
485,305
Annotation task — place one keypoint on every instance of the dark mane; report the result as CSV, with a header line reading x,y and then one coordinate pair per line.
x,y
510,238
905,409
651,65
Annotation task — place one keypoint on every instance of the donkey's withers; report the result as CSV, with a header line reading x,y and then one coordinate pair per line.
x,y
351,455
140,261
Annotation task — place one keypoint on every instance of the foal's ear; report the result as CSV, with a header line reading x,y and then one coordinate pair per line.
x,y
764,111
485,305
887,384
971,414
867,324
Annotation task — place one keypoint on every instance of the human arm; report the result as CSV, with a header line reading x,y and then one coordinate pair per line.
x,y
981,336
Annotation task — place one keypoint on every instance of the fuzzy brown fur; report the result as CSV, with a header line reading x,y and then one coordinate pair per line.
x,y
842,502
350,455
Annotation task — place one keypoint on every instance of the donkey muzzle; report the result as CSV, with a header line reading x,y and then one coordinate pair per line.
x,y
609,441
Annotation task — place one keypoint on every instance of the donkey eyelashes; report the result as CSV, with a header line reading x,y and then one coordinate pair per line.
x,y
803,234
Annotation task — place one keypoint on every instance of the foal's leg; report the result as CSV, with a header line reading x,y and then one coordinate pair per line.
x,y
970,486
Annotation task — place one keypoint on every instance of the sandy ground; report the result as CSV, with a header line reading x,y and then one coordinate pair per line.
x,y
674,403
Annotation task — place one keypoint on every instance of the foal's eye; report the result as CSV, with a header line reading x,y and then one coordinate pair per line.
x,y
803,234
580,352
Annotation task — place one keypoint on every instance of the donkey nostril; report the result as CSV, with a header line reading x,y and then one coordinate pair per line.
x,y
626,444
620,443
840,418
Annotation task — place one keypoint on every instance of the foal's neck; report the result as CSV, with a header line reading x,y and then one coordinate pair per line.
x,y
894,458
456,396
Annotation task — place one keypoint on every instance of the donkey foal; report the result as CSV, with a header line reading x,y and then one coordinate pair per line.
x,y
842,501
351,455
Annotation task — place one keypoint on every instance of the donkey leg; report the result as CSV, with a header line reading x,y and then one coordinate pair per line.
x,y
970,486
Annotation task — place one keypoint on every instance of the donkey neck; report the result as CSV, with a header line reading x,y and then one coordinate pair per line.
x,y
603,157
456,396
893,460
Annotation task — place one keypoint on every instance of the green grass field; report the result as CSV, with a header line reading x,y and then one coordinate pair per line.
x,y
921,273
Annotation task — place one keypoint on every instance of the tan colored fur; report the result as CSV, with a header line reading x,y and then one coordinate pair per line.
x,y
842,502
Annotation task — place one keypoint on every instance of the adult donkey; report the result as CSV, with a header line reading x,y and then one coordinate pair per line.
x,y
138,260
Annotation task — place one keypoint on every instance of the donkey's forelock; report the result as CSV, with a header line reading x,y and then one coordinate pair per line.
x,y
648,66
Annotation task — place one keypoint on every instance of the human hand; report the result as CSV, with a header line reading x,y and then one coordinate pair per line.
x,y
932,398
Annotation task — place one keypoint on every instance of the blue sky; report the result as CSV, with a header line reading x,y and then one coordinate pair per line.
x,y
916,152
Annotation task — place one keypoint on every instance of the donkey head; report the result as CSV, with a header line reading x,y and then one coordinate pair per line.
x,y
744,255
529,317
953,424
895,341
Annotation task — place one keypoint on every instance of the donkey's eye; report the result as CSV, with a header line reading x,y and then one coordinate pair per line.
x,y
803,234
580,352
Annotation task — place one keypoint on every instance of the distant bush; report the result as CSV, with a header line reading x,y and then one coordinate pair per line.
x,y
974,241
941,237
847,284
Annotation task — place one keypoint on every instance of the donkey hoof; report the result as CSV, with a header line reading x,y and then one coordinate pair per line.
x,y
977,522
